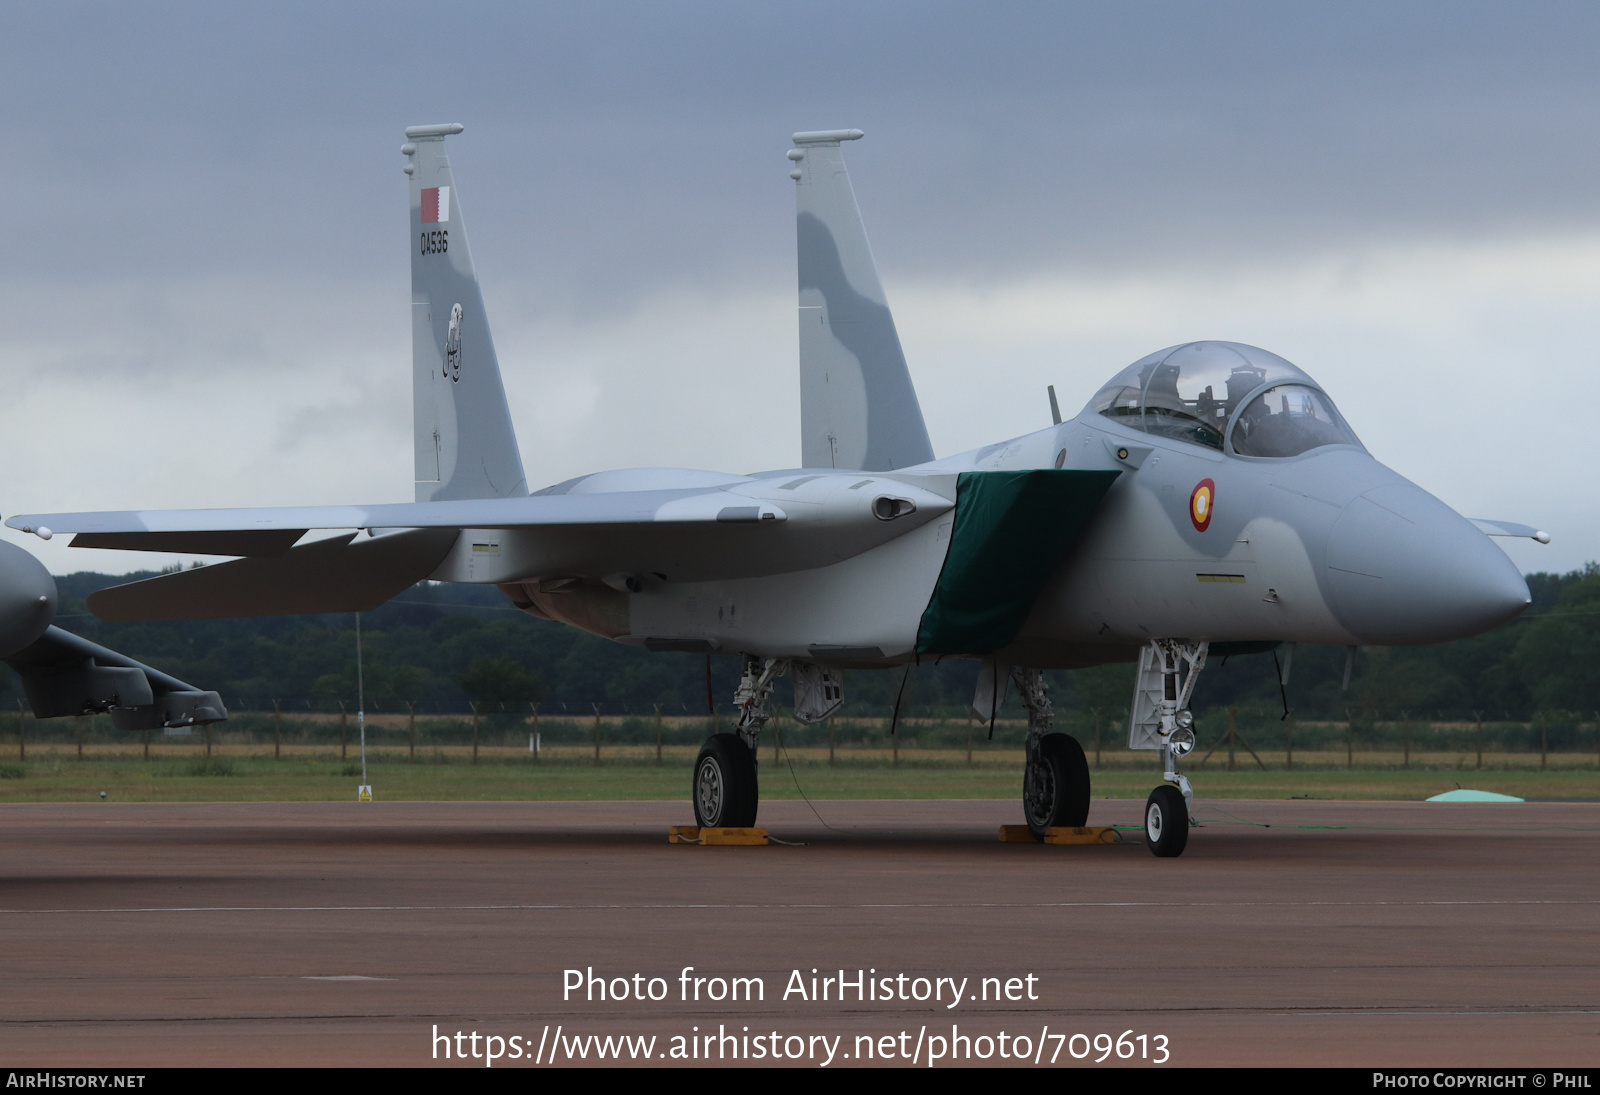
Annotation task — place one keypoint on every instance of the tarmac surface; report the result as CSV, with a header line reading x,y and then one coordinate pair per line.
x,y
1347,933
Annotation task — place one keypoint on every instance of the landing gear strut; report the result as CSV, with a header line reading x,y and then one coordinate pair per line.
x,y
1162,721
726,791
1055,781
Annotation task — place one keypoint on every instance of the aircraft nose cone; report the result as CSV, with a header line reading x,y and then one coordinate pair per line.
x,y
27,598
1405,568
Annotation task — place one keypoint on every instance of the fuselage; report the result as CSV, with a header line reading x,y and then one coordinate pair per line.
x,y
1204,540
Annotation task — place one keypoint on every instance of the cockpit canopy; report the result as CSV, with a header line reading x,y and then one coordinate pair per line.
x,y
1195,392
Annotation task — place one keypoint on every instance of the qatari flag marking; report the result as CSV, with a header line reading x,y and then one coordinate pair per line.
x,y
436,205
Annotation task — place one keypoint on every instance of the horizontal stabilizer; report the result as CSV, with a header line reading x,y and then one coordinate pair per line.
x,y
65,674
335,575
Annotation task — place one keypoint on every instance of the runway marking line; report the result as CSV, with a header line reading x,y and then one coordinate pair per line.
x,y
799,905
346,977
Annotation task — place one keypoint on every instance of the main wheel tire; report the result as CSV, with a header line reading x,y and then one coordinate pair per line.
x,y
1055,785
725,790
1166,821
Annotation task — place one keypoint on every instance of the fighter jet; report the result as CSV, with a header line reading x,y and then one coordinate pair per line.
x,y
1209,499
65,674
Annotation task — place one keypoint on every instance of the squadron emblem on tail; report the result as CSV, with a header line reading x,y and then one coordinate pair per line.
x,y
452,345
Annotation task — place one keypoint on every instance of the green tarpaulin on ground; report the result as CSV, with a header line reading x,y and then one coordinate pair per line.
x,y
1462,794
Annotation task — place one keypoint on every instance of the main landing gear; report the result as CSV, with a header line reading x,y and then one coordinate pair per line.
x,y
1055,780
1162,721
726,790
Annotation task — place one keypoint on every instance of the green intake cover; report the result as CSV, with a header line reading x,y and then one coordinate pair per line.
x,y
1011,529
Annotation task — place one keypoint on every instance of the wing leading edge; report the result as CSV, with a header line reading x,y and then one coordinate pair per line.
x,y
273,531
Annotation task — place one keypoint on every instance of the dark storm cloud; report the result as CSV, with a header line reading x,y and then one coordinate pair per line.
x,y
615,148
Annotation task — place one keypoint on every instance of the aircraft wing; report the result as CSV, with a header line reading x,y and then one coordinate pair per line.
x,y
270,532
66,674
690,533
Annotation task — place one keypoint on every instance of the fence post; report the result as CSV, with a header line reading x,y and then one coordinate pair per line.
x,y
474,704
146,743
538,742
658,735
77,732
344,731
1544,741
830,744
411,727
597,733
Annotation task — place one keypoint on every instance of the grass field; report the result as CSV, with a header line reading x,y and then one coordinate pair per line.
x,y
249,773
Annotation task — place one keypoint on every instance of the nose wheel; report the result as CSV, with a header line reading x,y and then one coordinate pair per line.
x,y
1166,821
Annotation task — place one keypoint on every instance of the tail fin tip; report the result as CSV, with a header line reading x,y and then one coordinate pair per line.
x,y
448,129
820,136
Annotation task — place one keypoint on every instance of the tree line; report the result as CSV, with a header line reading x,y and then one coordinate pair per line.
x,y
445,647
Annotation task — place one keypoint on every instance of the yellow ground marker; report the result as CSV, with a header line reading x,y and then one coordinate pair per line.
x,y
694,834
1092,834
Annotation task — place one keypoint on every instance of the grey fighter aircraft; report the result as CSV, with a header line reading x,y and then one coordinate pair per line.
x,y
65,674
1209,499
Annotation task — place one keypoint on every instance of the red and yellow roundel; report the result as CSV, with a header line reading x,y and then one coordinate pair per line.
x,y
1200,503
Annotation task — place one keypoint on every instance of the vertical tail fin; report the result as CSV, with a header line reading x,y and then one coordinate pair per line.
x,y
858,408
465,444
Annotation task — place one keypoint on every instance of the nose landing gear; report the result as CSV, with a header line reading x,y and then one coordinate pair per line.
x,y
1166,821
1162,721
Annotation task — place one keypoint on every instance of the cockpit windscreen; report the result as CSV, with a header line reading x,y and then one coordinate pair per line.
x,y
1288,420
1190,392
1186,393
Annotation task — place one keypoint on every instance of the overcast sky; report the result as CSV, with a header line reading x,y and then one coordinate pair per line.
x,y
204,286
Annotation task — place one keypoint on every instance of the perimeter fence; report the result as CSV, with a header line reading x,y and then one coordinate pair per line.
x,y
1234,739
